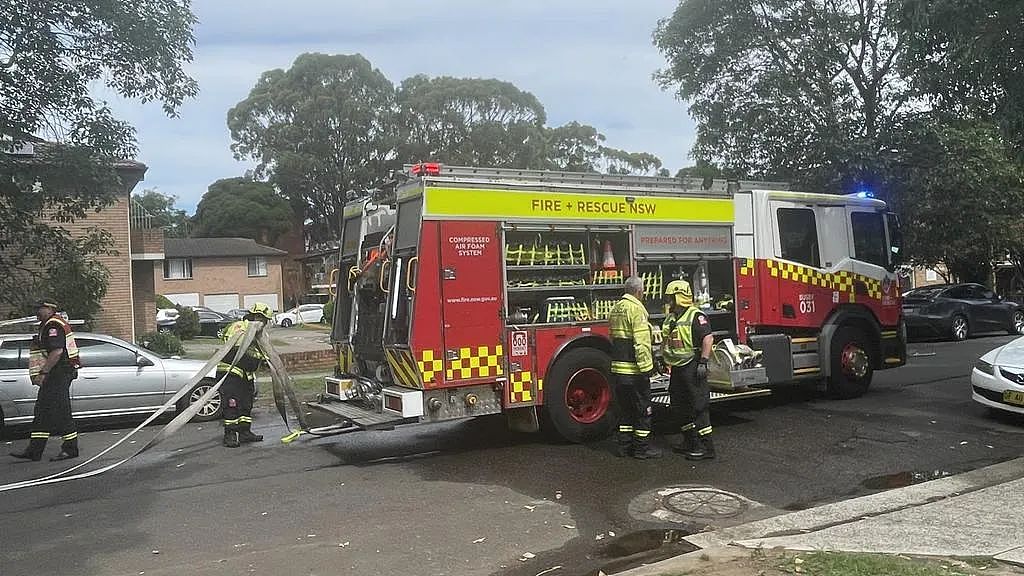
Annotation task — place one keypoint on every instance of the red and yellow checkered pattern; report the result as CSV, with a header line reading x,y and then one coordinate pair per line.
x,y
521,388
747,267
431,365
475,362
842,281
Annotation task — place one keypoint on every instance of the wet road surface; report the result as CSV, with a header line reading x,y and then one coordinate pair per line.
x,y
472,498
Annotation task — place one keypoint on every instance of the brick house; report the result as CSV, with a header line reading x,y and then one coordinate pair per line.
x,y
220,273
128,291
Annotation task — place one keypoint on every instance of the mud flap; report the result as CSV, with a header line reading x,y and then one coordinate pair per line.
x,y
523,419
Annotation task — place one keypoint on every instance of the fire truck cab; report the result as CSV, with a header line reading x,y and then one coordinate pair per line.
x,y
484,291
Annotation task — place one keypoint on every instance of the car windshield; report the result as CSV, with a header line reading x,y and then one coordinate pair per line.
x,y
925,292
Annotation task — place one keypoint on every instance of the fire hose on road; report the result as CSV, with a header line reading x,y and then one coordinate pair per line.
x,y
284,395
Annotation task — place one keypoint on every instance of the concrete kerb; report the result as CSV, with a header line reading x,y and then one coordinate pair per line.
x,y
839,513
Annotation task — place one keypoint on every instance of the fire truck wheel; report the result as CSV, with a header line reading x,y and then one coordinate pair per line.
x,y
578,397
851,364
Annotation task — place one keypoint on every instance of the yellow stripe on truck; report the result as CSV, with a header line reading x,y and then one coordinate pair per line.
x,y
526,205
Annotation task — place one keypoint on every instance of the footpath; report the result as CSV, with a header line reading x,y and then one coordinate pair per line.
x,y
978,515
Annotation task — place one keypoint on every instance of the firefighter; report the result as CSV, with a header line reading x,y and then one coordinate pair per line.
x,y
53,365
686,346
632,368
239,386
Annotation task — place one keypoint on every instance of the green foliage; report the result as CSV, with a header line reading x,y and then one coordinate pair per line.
x,y
162,302
959,193
329,312
470,121
242,208
53,57
789,90
187,324
574,147
331,127
160,207
322,128
165,343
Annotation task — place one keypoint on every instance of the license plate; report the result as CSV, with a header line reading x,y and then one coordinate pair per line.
x,y
1013,397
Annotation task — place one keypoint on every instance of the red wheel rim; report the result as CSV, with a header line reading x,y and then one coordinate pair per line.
x,y
855,361
587,395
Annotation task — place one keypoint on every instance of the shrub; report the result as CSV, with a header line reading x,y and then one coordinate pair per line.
x,y
165,343
329,313
187,325
162,302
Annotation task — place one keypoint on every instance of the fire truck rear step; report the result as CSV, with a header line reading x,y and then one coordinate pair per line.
x,y
663,399
362,417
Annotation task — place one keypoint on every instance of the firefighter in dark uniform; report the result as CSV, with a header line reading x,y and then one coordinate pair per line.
x,y
632,367
53,364
239,386
686,343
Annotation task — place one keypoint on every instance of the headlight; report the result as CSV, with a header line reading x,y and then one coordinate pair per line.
x,y
982,366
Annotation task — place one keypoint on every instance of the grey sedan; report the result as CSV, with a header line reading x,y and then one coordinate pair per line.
x,y
116,379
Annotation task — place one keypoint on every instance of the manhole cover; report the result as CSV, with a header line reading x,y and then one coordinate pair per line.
x,y
689,504
705,503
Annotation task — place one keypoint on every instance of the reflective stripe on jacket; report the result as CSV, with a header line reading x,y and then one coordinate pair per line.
x,y
249,362
631,337
37,356
677,337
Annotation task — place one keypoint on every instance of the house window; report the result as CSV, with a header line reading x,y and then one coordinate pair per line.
x,y
178,269
257,266
931,275
798,236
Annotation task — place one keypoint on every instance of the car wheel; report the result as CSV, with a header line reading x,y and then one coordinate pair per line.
x,y
323,320
959,329
851,364
578,405
286,323
212,410
1018,323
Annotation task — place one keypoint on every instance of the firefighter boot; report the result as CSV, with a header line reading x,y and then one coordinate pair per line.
x,y
231,439
34,450
688,444
642,449
704,449
68,450
246,436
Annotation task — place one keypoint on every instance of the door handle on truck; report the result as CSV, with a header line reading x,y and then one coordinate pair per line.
x,y
383,267
413,264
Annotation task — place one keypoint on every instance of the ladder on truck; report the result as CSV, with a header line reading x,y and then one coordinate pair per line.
x,y
555,180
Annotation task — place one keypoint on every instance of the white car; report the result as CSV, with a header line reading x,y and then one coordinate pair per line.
x,y
304,314
998,378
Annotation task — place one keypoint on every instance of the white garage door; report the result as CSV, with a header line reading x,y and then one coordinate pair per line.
x,y
184,299
268,299
221,302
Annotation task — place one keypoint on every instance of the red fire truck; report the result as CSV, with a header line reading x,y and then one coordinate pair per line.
x,y
483,291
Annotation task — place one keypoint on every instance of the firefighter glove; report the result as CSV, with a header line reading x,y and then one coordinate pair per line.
x,y
702,369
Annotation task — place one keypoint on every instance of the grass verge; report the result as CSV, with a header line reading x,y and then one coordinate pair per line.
x,y
781,563
305,388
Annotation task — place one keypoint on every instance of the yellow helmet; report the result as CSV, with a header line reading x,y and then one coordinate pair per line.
x,y
680,291
261,309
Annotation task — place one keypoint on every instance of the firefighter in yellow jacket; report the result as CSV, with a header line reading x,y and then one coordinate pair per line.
x,y
53,364
632,368
686,343
239,386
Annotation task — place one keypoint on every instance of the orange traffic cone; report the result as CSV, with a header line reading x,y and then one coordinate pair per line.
x,y
609,257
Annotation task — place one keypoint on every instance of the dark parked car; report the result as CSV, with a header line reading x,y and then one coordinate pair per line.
x,y
959,310
211,322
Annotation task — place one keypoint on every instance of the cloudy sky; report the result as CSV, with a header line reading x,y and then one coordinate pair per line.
x,y
586,60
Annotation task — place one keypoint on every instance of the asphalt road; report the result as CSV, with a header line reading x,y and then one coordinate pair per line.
x,y
472,498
